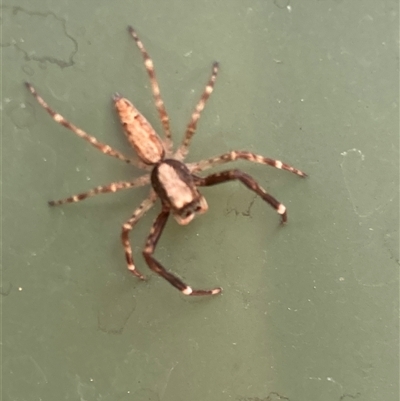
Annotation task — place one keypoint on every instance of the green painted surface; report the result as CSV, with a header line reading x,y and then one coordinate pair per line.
x,y
309,311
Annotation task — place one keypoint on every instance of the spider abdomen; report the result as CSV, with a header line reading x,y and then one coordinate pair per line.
x,y
174,184
139,132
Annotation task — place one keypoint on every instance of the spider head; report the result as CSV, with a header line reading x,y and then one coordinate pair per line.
x,y
173,183
187,213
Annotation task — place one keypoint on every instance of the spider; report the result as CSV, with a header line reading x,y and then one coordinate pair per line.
x,y
173,181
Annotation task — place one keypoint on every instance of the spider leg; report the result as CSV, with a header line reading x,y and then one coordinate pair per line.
x,y
183,150
248,181
148,62
113,187
127,228
151,243
236,155
106,149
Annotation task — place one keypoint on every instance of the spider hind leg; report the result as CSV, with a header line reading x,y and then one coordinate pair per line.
x,y
243,155
183,150
58,118
162,112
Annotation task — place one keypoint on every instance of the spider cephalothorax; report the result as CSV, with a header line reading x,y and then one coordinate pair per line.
x,y
176,187
172,180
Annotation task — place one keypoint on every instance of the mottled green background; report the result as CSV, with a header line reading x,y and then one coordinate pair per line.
x,y
309,311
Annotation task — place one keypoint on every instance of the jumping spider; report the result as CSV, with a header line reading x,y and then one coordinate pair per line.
x,y
172,180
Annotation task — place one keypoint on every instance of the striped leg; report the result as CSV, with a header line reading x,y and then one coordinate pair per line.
x,y
156,266
230,175
191,128
127,228
107,150
148,62
236,155
113,187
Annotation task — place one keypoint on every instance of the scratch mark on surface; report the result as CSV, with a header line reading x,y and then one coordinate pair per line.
x,y
86,391
273,396
19,38
39,369
332,380
368,193
350,172
167,379
344,396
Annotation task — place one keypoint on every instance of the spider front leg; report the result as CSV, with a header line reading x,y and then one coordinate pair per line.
x,y
151,243
113,187
250,182
127,228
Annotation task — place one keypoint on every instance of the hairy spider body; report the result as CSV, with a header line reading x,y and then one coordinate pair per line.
x,y
173,181
170,178
175,186
140,134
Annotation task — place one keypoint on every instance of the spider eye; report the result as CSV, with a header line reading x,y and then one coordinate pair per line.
x,y
187,214
198,208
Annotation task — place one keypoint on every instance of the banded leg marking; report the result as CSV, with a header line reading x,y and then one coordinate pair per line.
x,y
113,187
148,62
151,243
127,228
249,156
191,128
58,118
249,182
